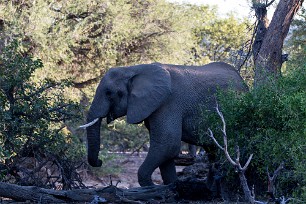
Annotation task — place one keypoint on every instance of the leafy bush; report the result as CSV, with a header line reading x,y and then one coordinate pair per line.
x,y
120,136
269,121
33,114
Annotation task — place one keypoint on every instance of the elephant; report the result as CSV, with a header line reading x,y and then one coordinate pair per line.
x,y
168,99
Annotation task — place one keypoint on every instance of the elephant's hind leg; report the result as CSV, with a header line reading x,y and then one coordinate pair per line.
x,y
158,156
168,172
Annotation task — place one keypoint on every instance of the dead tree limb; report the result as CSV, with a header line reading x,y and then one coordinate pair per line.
x,y
236,163
110,194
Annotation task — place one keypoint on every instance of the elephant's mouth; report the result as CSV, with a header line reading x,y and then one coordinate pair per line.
x,y
110,117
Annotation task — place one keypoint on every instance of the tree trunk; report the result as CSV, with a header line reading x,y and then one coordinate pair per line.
x,y
244,184
268,61
262,27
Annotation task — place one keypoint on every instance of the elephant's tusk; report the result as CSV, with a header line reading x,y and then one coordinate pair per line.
x,y
89,124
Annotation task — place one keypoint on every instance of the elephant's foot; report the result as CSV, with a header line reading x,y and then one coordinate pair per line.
x,y
145,181
144,177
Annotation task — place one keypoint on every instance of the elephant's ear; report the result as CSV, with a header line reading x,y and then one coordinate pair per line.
x,y
149,88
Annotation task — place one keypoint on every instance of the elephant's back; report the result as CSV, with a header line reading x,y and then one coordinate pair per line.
x,y
215,74
195,85
213,68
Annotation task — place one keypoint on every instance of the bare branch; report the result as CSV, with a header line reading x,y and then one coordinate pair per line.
x,y
222,118
236,163
86,83
276,172
238,153
225,137
247,163
211,135
249,46
269,4
271,180
230,159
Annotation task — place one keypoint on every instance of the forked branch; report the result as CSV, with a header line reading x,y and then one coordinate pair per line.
x,y
272,179
236,162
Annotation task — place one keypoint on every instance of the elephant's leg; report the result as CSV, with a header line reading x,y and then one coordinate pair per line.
x,y
144,175
168,172
160,155
165,144
192,150
147,168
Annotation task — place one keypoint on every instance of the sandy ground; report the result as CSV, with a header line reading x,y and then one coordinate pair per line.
x,y
129,164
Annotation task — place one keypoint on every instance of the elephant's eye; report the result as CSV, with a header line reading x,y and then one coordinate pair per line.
x,y
108,93
120,94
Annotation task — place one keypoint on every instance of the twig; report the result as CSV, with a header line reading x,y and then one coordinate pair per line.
x,y
250,46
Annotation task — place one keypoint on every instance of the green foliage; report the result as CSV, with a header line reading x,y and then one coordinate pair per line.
x,y
120,136
296,44
269,122
111,166
85,38
216,38
33,114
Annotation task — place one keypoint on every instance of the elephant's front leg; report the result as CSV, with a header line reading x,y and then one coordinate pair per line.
x,y
159,156
164,147
168,171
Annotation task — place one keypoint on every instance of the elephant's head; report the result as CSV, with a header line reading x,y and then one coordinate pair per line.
x,y
135,91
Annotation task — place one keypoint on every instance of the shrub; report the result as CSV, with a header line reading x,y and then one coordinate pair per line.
x,y
122,137
269,121
33,114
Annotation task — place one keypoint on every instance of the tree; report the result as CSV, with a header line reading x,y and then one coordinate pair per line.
x,y
269,40
216,37
85,38
296,44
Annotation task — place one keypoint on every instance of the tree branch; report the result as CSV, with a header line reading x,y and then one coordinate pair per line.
x,y
272,179
211,135
269,4
86,83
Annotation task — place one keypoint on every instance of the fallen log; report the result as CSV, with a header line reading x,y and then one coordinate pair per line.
x,y
108,194
192,185
191,190
184,160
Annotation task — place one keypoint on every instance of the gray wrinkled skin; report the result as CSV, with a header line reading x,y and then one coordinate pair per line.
x,y
168,99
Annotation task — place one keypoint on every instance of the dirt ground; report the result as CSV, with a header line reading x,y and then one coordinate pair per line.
x,y
128,164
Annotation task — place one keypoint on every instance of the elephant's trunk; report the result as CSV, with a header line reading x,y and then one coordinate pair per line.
x,y
93,142
98,110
